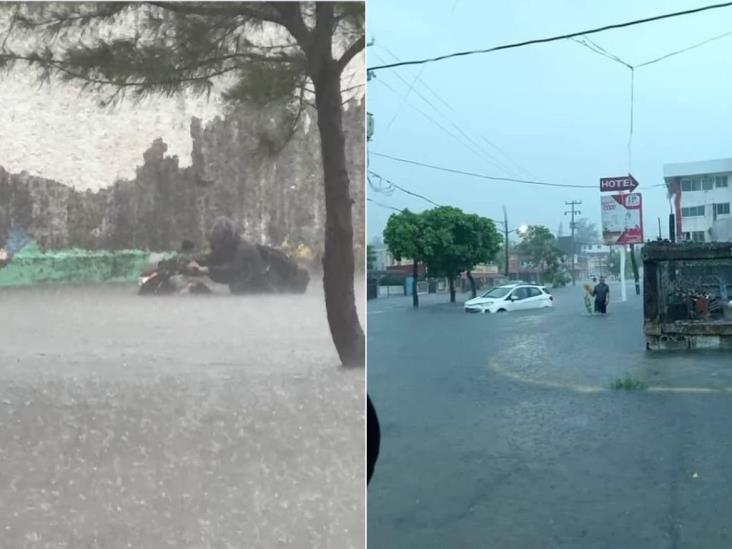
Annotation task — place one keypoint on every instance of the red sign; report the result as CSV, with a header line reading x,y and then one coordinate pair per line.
x,y
622,219
618,184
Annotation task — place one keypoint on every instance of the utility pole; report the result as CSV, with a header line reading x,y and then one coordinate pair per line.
x,y
505,232
573,212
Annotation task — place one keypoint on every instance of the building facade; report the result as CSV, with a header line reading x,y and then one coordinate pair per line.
x,y
702,194
596,259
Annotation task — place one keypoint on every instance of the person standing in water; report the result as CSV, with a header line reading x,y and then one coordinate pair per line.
x,y
588,298
602,296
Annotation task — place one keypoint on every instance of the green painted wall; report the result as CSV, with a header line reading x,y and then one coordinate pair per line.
x,y
33,266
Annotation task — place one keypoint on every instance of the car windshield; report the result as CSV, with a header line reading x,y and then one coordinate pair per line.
x,y
497,292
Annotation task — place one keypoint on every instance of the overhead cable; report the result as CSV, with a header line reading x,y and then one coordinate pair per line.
x,y
553,38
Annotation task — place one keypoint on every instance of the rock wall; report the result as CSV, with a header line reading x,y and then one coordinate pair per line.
x,y
248,165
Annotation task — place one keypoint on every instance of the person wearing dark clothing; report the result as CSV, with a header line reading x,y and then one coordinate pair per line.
x,y
602,296
233,260
282,271
373,439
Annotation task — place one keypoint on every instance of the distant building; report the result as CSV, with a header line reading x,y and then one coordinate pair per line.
x,y
702,194
595,260
381,256
484,275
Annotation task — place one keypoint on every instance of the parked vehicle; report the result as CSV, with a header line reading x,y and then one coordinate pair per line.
x,y
511,297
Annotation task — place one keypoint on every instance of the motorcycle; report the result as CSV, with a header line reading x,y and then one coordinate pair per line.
x,y
171,276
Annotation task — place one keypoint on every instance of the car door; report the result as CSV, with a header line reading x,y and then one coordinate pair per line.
x,y
536,298
518,298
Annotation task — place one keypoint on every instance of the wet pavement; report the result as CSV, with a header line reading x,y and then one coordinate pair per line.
x,y
192,421
502,431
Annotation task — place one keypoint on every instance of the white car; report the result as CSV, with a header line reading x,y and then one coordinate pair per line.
x,y
512,297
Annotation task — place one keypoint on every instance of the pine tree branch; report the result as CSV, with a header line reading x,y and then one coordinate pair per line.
x,y
263,11
13,20
351,52
63,67
106,11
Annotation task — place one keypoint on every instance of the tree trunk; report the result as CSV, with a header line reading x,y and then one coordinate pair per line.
x,y
472,284
338,258
415,297
452,289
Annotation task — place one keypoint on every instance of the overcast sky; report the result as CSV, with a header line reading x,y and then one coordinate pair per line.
x,y
556,112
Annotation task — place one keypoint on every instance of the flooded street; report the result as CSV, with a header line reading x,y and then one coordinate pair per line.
x,y
194,421
512,436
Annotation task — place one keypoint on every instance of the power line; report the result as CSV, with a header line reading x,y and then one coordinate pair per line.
x,y
684,50
384,205
470,143
595,47
428,88
482,150
406,191
554,38
381,204
483,176
431,119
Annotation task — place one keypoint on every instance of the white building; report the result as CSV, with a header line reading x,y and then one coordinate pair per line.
x,y
595,257
702,194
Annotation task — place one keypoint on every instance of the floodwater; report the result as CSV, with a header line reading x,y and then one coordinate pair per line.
x,y
187,421
503,431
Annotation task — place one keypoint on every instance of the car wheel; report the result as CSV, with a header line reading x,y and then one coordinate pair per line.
x,y
501,310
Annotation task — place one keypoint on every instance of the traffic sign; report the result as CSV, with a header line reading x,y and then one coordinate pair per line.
x,y
618,184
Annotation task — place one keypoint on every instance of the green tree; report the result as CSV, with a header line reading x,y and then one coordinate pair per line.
x,y
443,254
184,46
540,247
482,242
456,242
404,236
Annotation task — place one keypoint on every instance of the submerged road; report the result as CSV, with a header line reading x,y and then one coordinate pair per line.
x,y
501,431
187,422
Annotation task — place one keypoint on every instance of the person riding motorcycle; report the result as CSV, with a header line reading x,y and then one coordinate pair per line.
x,y
233,260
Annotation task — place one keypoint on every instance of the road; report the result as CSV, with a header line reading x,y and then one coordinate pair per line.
x,y
187,422
501,431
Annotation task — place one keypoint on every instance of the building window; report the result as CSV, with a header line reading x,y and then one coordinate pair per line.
x,y
696,184
692,211
707,182
721,209
694,236
720,181
686,185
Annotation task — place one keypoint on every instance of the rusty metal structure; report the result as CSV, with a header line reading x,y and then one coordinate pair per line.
x,y
686,298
